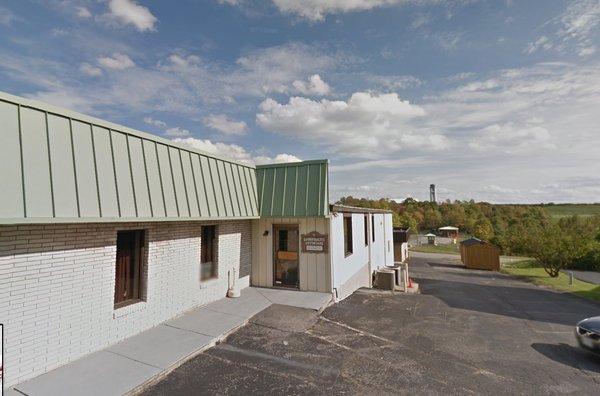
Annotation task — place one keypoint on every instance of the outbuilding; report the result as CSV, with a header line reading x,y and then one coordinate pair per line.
x,y
431,239
478,254
449,232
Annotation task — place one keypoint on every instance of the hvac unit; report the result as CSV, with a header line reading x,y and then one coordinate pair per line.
x,y
385,279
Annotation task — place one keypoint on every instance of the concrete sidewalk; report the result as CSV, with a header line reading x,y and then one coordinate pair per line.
x,y
129,364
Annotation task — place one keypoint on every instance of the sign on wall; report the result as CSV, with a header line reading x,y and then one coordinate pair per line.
x,y
314,242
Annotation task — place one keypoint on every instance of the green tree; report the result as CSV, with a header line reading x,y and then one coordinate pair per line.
x,y
483,229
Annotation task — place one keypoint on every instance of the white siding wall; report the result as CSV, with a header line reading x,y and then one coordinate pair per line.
x,y
57,286
378,246
344,268
315,268
388,231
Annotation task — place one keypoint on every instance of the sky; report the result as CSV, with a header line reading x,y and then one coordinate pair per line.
x,y
493,100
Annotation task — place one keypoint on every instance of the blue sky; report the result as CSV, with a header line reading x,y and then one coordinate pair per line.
x,y
491,100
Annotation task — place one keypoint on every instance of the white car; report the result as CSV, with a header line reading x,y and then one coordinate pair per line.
x,y
587,333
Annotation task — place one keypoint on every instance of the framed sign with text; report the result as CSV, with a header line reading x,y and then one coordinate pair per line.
x,y
314,242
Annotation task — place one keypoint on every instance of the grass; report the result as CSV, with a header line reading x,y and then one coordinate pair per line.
x,y
531,271
563,210
451,248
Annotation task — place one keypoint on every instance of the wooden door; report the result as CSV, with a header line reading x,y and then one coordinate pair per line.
x,y
286,242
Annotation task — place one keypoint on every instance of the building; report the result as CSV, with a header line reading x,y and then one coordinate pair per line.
x,y
303,242
431,239
106,232
401,238
478,254
448,232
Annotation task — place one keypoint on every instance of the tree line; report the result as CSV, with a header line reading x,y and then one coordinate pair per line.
x,y
527,230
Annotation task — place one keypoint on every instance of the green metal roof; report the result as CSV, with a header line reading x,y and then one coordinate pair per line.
x,y
295,189
61,166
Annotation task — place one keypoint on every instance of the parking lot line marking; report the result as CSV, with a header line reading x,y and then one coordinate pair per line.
x,y
355,329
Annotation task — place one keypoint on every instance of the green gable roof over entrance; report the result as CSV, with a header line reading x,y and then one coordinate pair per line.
x,y
61,166
294,189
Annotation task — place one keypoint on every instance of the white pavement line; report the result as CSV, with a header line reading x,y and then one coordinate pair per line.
x,y
361,332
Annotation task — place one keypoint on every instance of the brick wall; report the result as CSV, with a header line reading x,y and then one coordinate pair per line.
x,y
57,286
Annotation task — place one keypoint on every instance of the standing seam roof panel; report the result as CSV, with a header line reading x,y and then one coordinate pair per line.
x,y
11,199
298,189
63,166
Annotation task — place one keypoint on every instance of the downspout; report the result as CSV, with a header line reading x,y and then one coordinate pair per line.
x,y
385,241
334,290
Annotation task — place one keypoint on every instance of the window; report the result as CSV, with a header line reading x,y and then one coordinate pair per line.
x,y
348,235
366,220
208,262
373,227
283,240
128,274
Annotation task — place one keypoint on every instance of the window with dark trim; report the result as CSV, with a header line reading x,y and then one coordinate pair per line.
x,y
366,221
348,235
373,227
208,262
128,271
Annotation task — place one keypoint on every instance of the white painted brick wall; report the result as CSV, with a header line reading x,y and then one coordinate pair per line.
x,y
57,286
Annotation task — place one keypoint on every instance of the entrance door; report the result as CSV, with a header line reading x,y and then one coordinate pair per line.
x,y
285,255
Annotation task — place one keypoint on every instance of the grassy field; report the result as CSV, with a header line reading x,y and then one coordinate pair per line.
x,y
451,248
564,210
531,271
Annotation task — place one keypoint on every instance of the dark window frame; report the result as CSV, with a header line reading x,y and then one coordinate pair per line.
x,y
208,252
373,227
366,228
348,242
130,281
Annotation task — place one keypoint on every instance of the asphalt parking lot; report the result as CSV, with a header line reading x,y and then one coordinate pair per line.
x,y
468,332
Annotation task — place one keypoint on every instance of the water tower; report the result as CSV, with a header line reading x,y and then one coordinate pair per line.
x,y
432,193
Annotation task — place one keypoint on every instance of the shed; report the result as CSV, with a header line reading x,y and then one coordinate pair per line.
x,y
431,239
478,254
448,232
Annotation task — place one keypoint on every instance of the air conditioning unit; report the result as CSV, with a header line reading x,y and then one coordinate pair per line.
x,y
401,276
385,279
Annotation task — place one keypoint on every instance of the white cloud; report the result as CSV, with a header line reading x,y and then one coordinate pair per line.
x,y
581,20
394,82
83,12
230,2
587,51
117,61
128,12
511,138
234,151
7,17
366,125
316,10
314,86
227,126
155,122
90,70
177,132
577,28
541,43
278,159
